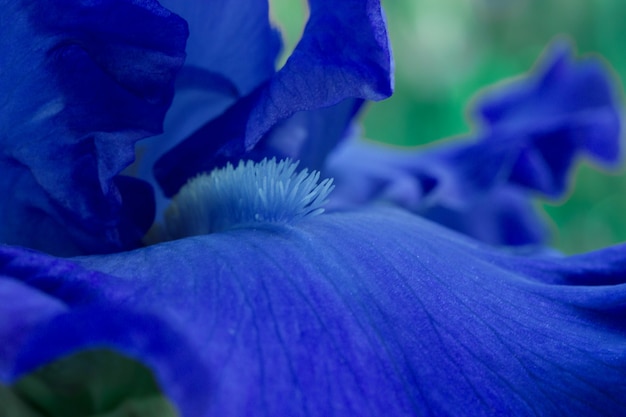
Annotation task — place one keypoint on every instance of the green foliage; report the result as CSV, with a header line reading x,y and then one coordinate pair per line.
x,y
92,383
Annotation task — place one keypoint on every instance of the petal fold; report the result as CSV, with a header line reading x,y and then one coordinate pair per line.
x,y
103,75
344,54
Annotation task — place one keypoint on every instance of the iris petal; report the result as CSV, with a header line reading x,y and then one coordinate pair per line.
x,y
57,308
103,73
34,307
381,312
564,108
531,132
232,49
344,54
232,38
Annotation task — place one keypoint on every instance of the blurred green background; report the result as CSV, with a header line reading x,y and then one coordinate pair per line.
x,y
447,50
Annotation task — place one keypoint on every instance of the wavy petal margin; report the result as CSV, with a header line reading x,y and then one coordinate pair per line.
x,y
81,82
532,131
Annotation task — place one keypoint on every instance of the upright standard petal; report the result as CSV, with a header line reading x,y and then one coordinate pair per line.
x,y
344,54
232,50
103,75
381,313
232,40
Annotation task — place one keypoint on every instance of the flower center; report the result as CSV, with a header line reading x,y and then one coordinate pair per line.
x,y
264,192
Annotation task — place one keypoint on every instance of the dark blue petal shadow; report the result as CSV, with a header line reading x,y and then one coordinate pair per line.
x,y
81,83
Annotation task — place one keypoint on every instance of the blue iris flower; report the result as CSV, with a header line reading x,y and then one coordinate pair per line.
x,y
254,302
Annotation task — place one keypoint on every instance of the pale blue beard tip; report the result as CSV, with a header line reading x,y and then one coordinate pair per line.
x,y
263,192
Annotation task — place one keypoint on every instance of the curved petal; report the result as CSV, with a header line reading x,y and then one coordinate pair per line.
x,y
103,75
232,50
309,136
564,108
383,313
344,54
504,216
232,39
33,308
56,308
532,131
457,184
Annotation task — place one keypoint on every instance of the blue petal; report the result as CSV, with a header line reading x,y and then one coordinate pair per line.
x,y
55,308
504,216
307,136
231,39
33,308
532,130
458,185
382,313
103,75
232,49
565,108
344,54
310,136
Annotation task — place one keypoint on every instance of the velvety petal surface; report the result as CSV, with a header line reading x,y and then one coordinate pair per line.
x,y
81,82
53,308
344,54
383,313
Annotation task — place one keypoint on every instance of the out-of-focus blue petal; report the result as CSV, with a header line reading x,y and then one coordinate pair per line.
x,y
309,136
532,130
564,108
344,54
55,308
457,185
382,313
504,216
103,75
